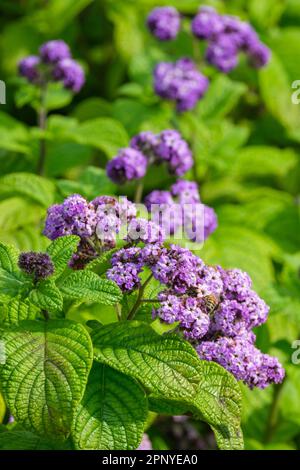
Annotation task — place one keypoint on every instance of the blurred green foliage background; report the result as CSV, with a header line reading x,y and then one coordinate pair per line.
x,y
245,135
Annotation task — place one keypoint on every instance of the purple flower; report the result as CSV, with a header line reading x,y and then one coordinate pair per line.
x,y
146,143
73,217
145,444
207,23
180,82
38,264
186,191
240,357
141,230
164,23
70,73
29,68
193,321
259,55
125,275
236,284
128,165
222,53
53,51
173,149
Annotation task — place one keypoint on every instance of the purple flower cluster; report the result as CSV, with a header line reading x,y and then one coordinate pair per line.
x,y
147,148
164,23
227,36
54,63
129,164
96,223
181,208
180,82
37,264
215,309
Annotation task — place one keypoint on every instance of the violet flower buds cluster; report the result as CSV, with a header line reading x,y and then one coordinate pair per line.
x,y
147,148
181,208
227,36
215,309
54,63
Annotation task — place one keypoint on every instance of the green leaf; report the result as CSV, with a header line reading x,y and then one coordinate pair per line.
x,y
112,414
45,373
47,296
222,96
18,310
170,369
35,187
11,284
8,258
276,92
24,440
105,134
88,286
61,251
2,409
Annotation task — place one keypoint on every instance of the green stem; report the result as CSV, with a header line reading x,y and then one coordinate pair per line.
x,y
139,192
42,123
273,414
139,298
119,312
45,314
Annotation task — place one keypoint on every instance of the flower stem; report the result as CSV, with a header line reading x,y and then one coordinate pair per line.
x,y
45,314
139,298
273,414
139,192
119,311
42,123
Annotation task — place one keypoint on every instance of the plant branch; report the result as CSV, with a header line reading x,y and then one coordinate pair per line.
x,y
139,298
273,414
139,192
42,123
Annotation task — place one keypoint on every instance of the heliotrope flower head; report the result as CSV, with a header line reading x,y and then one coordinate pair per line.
x,y
227,36
164,23
54,63
173,149
180,82
240,357
53,51
182,209
70,73
207,23
73,217
146,142
128,165
213,308
29,68
37,264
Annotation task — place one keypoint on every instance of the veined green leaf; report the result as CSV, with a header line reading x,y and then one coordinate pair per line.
x,y
35,187
169,368
61,251
18,310
11,284
45,373
8,258
47,296
88,286
112,414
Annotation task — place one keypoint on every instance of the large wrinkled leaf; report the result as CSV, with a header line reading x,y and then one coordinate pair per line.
x,y
61,251
169,369
88,286
112,414
45,373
